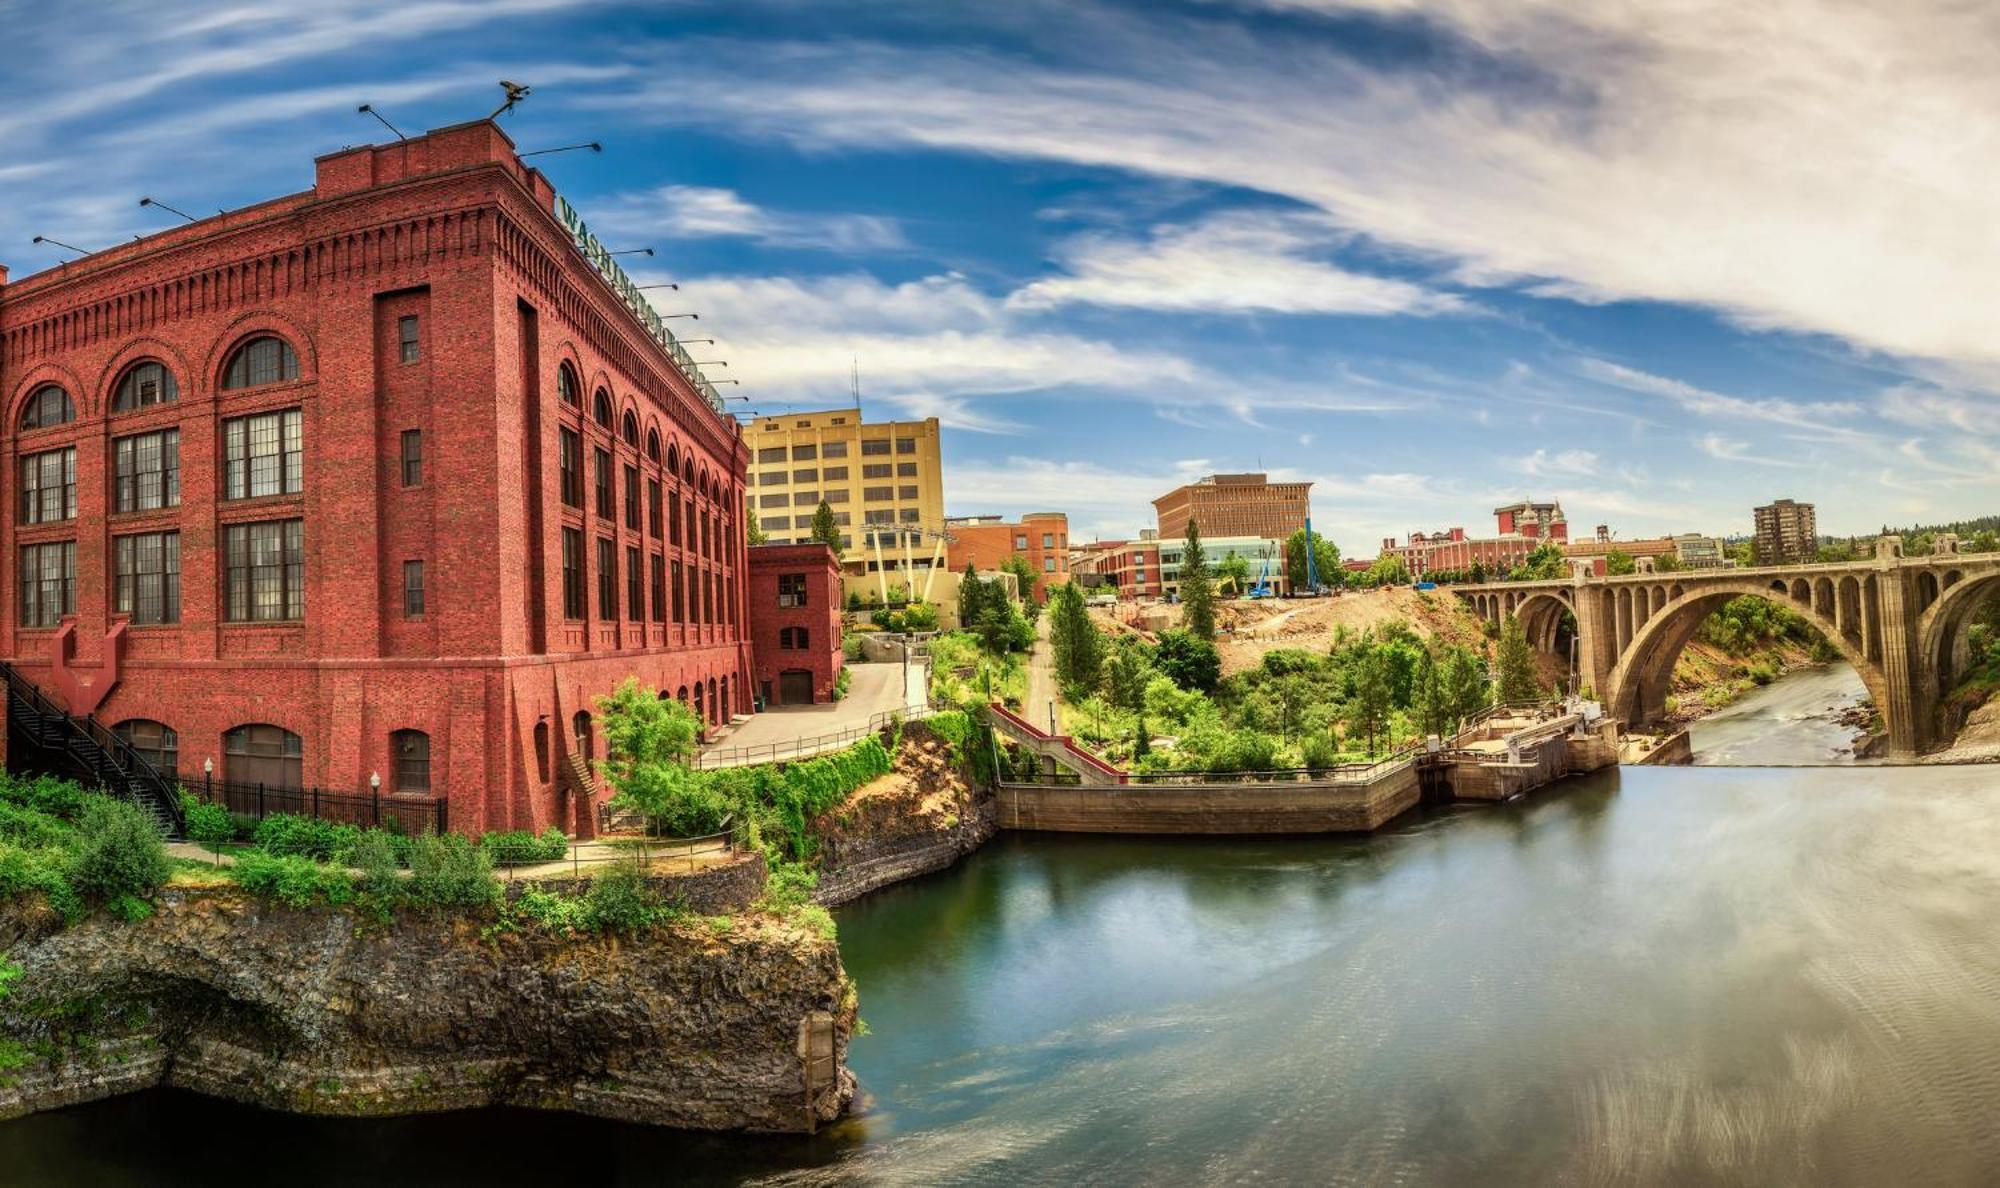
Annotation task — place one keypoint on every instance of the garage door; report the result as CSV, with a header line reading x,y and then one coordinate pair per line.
x,y
795,688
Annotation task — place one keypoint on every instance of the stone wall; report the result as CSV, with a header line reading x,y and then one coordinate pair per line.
x,y
1247,807
318,1012
858,867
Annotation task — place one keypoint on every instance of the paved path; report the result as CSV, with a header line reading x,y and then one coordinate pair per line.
x,y
1041,680
780,730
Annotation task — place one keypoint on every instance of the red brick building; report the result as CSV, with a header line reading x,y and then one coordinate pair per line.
x,y
983,542
388,477
1522,528
796,623
1130,567
1234,505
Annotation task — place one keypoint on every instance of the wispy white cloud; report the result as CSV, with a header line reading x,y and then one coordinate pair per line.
x,y
697,212
1542,463
1236,262
1727,449
1705,403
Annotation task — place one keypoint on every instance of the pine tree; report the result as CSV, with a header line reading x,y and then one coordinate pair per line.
x,y
1197,590
1517,664
824,529
1465,690
1142,741
971,599
1368,710
1427,697
1079,650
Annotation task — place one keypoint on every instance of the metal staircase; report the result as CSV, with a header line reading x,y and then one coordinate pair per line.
x,y
88,749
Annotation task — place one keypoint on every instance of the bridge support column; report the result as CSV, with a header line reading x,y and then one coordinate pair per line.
x,y
1909,714
1595,645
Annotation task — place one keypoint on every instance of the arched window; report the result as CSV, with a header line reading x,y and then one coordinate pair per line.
x,y
629,430
653,444
673,459
265,360
49,405
698,703
566,385
147,382
262,754
542,750
156,743
580,724
411,750
600,408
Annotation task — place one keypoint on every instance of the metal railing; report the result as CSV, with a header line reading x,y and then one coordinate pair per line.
x,y
408,814
645,854
96,748
809,746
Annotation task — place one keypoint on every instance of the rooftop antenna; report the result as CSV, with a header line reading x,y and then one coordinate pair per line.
x,y
854,381
369,109
515,93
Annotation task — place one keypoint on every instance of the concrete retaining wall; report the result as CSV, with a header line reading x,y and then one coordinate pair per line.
x,y
1249,807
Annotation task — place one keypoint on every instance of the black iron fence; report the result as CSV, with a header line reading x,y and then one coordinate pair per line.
x,y
403,813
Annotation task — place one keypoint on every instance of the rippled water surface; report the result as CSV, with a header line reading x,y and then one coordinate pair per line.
x,y
1680,975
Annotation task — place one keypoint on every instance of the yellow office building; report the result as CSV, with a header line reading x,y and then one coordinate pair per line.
x,y
883,480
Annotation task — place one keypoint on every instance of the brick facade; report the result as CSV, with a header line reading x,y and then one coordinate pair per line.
x,y
491,663
795,621
1042,538
1246,505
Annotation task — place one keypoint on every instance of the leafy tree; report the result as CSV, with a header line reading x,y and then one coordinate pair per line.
x,y
1368,709
1478,572
648,742
824,529
1427,698
1668,562
995,627
118,853
1326,560
210,827
1389,570
1126,674
757,536
1516,662
1025,577
920,616
972,599
1197,590
1079,649
1547,563
1465,688
1189,660
1618,562
1142,740
1235,570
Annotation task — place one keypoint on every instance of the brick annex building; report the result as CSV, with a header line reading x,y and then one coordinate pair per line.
x,y
383,477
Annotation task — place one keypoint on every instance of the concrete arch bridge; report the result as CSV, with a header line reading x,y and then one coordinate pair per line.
x,y
1900,621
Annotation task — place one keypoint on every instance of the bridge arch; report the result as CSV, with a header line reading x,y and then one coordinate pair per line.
x,y
1942,638
1643,670
1544,617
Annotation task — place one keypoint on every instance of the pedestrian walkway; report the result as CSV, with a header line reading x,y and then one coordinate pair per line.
x,y
874,693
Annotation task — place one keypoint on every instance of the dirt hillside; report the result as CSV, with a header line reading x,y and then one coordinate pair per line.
x,y
1246,629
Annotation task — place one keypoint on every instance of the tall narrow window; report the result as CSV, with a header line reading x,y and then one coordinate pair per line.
x,y
601,461
264,455
655,523
600,408
265,569
659,588
412,752
607,579
413,589
406,338
48,486
147,471
145,384
680,603
148,581
565,389
264,360
635,586
413,457
48,575
572,468
572,571
674,517
632,498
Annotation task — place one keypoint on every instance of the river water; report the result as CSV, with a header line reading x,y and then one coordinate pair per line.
x,y
1654,975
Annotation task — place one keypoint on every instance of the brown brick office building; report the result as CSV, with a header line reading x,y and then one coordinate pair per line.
x,y
383,478
1234,505
796,622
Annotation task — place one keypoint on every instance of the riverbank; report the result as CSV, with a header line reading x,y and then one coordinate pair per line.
x,y
736,1023
923,817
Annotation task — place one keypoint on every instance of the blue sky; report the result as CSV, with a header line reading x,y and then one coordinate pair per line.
x,y
1660,262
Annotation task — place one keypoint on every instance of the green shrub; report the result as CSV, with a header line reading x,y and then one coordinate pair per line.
x,y
621,900
292,880
27,827
790,885
25,870
449,871
561,914
118,852
920,616
1318,752
46,794
841,683
521,847
374,855
209,825
309,837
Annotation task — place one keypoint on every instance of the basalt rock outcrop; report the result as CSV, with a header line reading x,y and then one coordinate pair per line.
x,y
922,817
697,1025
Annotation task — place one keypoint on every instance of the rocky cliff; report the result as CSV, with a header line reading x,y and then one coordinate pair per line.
x,y
689,1025
922,817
